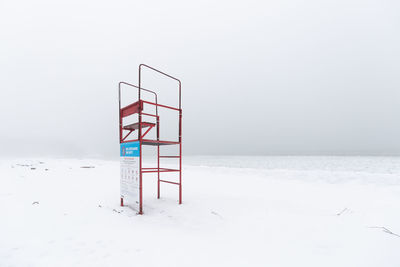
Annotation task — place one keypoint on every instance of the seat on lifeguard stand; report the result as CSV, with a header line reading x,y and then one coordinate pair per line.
x,y
135,126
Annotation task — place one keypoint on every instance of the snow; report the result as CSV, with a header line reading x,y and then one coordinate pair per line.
x,y
236,211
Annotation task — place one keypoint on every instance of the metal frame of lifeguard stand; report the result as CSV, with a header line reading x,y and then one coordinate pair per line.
x,y
137,108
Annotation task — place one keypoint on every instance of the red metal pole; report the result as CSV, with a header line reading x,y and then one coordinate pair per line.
x,y
169,182
140,152
120,124
159,105
180,156
119,112
140,180
148,130
180,143
158,156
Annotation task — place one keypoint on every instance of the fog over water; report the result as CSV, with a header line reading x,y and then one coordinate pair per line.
x,y
259,77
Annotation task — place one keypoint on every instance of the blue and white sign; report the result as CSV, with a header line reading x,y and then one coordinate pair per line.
x,y
130,176
131,149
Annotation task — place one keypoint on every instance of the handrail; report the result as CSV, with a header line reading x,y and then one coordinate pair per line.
x,y
119,100
119,92
156,70
159,105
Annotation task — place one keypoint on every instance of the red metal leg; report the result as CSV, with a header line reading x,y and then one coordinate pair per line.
x,y
158,158
140,182
180,157
122,202
140,164
158,172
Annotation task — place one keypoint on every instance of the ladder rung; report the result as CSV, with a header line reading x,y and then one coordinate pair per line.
x,y
169,182
169,156
147,114
144,170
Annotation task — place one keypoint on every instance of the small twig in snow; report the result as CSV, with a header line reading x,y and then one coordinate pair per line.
x,y
216,214
340,213
112,209
24,165
384,229
35,202
118,211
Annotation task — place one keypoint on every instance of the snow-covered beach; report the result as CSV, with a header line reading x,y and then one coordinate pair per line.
x,y
236,211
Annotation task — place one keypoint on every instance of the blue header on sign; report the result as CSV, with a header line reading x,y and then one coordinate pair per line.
x,y
131,149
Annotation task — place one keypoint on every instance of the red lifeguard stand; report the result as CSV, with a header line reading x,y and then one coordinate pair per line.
x,y
131,150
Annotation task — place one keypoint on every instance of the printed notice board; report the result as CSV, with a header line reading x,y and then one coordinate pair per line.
x,y
130,153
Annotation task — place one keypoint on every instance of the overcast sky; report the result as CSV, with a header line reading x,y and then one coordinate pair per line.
x,y
259,77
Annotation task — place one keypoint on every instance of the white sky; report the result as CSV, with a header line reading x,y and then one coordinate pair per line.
x,y
259,77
